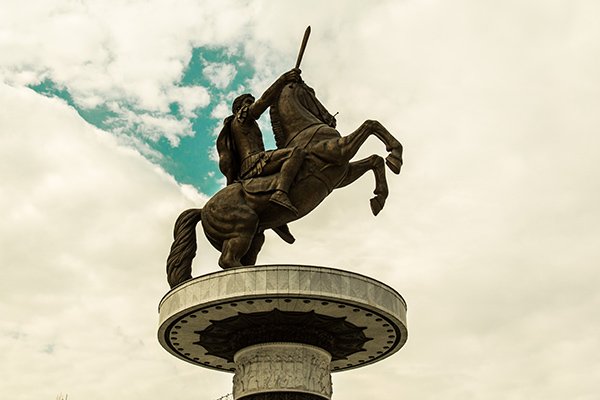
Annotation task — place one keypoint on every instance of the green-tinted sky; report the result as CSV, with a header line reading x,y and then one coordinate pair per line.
x,y
222,72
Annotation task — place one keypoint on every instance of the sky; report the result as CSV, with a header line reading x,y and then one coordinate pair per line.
x,y
108,116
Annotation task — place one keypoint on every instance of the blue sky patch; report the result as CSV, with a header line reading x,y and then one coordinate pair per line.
x,y
225,74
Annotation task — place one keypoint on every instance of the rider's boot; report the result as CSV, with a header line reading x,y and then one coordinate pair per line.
x,y
281,198
288,173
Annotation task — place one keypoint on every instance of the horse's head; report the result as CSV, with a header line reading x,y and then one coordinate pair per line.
x,y
307,97
296,109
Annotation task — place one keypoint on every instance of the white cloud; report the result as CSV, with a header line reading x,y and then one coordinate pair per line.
x,y
152,127
190,98
219,74
132,53
220,111
82,276
490,233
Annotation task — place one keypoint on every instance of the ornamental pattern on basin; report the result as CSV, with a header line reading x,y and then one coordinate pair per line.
x,y
282,367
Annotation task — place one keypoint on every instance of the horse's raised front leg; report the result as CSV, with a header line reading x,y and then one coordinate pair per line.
x,y
392,145
358,168
341,150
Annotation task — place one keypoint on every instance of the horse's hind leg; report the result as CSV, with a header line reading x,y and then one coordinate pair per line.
x,y
242,238
234,249
358,168
251,255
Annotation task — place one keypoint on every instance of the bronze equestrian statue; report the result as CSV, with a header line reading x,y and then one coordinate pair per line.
x,y
242,152
267,190
241,149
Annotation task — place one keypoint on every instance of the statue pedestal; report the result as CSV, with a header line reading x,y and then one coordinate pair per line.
x,y
282,329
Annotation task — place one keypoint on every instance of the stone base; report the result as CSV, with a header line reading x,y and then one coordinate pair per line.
x,y
282,329
282,367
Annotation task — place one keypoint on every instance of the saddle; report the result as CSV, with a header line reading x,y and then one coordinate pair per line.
x,y
266,184
260,184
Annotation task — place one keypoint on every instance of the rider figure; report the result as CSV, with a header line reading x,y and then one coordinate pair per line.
x,y
241,148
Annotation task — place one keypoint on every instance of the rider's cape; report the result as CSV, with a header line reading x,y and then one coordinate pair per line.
x,y
229,162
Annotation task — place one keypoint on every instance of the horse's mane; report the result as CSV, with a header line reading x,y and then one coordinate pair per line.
x,y
276,124
305,98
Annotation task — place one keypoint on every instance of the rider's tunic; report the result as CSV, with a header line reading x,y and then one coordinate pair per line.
x,y
254,164
250,139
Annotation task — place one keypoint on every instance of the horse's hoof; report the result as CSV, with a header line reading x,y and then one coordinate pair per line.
x,y
394,163
377,204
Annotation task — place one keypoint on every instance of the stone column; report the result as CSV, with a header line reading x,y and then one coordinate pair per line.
x,y
288,371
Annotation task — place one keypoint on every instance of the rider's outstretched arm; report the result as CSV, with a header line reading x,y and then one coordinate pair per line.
x,y
270,95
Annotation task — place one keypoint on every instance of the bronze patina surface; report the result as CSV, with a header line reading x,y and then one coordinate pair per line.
x,y
267,189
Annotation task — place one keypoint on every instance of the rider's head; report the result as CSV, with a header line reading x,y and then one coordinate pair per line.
x,y
240,100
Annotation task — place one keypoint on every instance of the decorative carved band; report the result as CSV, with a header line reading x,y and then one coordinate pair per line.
x,y
282,396
282,367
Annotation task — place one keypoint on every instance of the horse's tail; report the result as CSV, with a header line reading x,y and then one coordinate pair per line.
x,y
183,249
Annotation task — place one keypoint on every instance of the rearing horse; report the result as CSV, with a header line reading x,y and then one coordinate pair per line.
x,y
235,218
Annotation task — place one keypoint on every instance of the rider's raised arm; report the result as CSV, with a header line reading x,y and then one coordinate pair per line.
x,y
270,95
